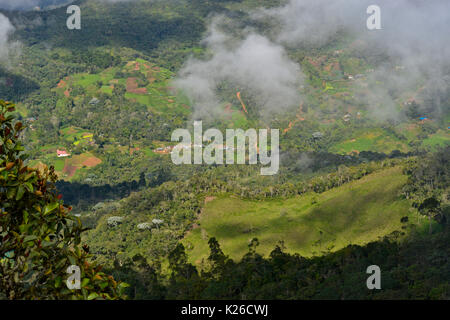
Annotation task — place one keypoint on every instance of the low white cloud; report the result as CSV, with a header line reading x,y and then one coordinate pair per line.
x,y
18,4
30,4
8,48
254,64
414,37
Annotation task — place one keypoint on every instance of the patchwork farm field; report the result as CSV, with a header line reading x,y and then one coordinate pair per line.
x,y
356,213
76,136
145,83
67,167
75,162
137,80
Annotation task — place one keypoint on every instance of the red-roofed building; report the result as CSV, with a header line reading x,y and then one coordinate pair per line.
x,y
62,153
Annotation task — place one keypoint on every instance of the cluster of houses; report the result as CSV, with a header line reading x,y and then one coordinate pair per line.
x,y
29,121
164,150
348,116
169,149
409,102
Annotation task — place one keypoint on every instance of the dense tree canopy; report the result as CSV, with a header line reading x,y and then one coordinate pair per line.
x,y
39,238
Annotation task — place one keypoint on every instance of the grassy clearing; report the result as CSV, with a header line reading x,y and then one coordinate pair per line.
x,y
22,110
376,140
107,89
86,79
59,164
149,152
439,139
356,213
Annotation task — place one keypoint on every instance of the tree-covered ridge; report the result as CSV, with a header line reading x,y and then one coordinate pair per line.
x,y
413,269
142,251
39,237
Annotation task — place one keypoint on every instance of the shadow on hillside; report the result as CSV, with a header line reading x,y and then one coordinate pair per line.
x,y
15,87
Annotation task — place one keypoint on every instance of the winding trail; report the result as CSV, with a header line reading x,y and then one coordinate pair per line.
x,y
298,118
238,95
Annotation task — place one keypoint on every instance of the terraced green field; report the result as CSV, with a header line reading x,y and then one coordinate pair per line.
x,y
356,213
